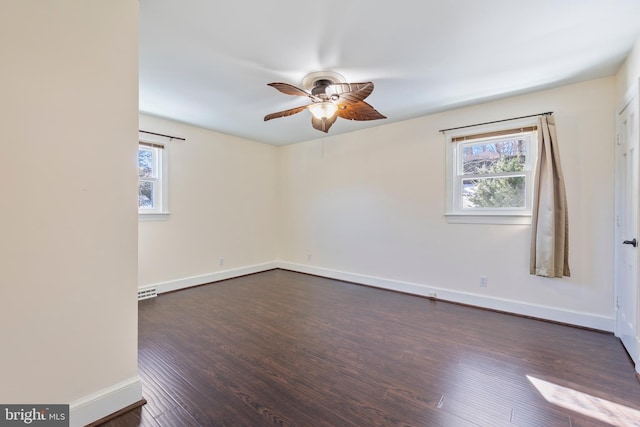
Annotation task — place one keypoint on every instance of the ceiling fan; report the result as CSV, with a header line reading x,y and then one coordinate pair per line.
x,y
331,97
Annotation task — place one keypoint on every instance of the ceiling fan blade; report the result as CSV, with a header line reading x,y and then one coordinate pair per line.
x,y
285,113
350,92
358,111
288,89
323,124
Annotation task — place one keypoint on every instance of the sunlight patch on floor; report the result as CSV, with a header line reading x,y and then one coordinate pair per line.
x,y
591,406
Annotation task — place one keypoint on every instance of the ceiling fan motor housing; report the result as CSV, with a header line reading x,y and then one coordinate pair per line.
x,y
320,87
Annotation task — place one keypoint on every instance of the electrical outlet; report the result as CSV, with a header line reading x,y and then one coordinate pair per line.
x,y
308,257
221,261
483,281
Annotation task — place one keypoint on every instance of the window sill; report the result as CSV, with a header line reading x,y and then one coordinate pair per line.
x,y
508,219
157,216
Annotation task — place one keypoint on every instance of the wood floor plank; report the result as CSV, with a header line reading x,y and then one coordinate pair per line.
x,y
179,417
189,398
288,349
477,411
534,416
136,417
158,400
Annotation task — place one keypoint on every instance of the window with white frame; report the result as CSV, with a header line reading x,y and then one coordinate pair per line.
x,y
152,185
490,174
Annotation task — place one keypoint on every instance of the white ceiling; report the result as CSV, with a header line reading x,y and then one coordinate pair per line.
x,y
208,62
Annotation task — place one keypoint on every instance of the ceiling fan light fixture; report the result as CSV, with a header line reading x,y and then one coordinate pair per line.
x,y
330,99
323,110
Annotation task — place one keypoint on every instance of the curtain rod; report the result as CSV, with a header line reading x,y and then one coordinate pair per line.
x,y
160,134
497,121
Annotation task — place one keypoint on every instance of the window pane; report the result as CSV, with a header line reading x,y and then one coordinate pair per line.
x,y
506,192
494,157
146,164
145,195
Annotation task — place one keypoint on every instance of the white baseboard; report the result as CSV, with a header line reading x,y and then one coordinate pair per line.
x,y
187,282
105,402
587,320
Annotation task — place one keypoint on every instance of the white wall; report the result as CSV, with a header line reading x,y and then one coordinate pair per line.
x,y
629,72
68,310
222,203
368,206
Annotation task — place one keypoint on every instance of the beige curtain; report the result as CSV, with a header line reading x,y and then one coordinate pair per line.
x,y
549,222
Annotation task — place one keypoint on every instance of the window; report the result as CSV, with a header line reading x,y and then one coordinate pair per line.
x,y
152,186
490,174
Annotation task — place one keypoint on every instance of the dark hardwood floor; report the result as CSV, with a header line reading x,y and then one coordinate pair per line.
x,y
282,348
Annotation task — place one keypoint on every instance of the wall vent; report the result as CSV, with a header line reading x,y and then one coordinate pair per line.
x,y
148,292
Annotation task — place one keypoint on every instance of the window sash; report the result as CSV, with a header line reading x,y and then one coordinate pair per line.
x,y
156,179
155,163
490,133
460,148
528,196
155,194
